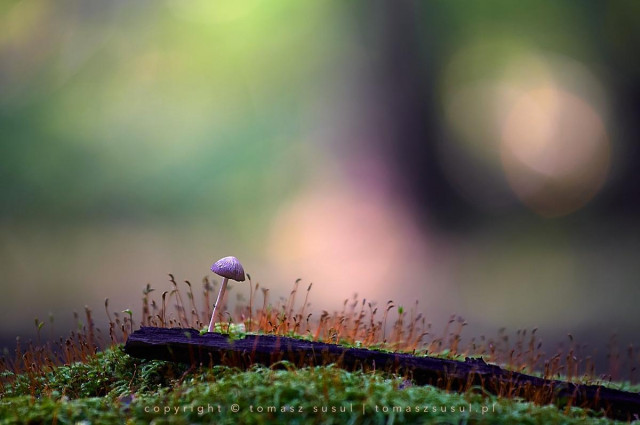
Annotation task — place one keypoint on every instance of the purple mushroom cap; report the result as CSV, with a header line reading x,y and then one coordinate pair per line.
x,y
230,268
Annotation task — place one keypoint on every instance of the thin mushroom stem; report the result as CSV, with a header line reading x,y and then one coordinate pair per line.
x,y
223,287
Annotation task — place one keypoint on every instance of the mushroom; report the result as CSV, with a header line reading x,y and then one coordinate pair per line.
x,y
227,268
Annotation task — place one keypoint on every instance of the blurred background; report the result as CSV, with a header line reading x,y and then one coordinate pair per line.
x,y
479,157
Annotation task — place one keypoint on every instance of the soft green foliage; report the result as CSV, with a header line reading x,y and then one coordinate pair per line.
x,y
112,387
108,372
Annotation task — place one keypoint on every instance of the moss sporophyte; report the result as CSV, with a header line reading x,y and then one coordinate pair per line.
x,y
87,376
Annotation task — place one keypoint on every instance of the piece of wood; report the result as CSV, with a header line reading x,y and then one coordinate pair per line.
x,y
188,346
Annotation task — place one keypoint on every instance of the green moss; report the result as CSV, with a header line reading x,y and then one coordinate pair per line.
x,y
115,388
108,372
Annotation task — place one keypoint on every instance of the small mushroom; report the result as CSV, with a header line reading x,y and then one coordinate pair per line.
x,y
227,268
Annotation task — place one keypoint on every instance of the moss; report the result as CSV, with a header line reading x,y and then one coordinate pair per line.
x,y
112,387
110,372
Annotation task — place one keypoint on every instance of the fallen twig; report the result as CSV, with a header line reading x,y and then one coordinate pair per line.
x,y
188,346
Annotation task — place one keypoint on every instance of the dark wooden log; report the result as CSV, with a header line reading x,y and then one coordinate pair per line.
x,y
188,346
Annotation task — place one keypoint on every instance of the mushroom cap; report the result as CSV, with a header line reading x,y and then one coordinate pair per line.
x,y
230,268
